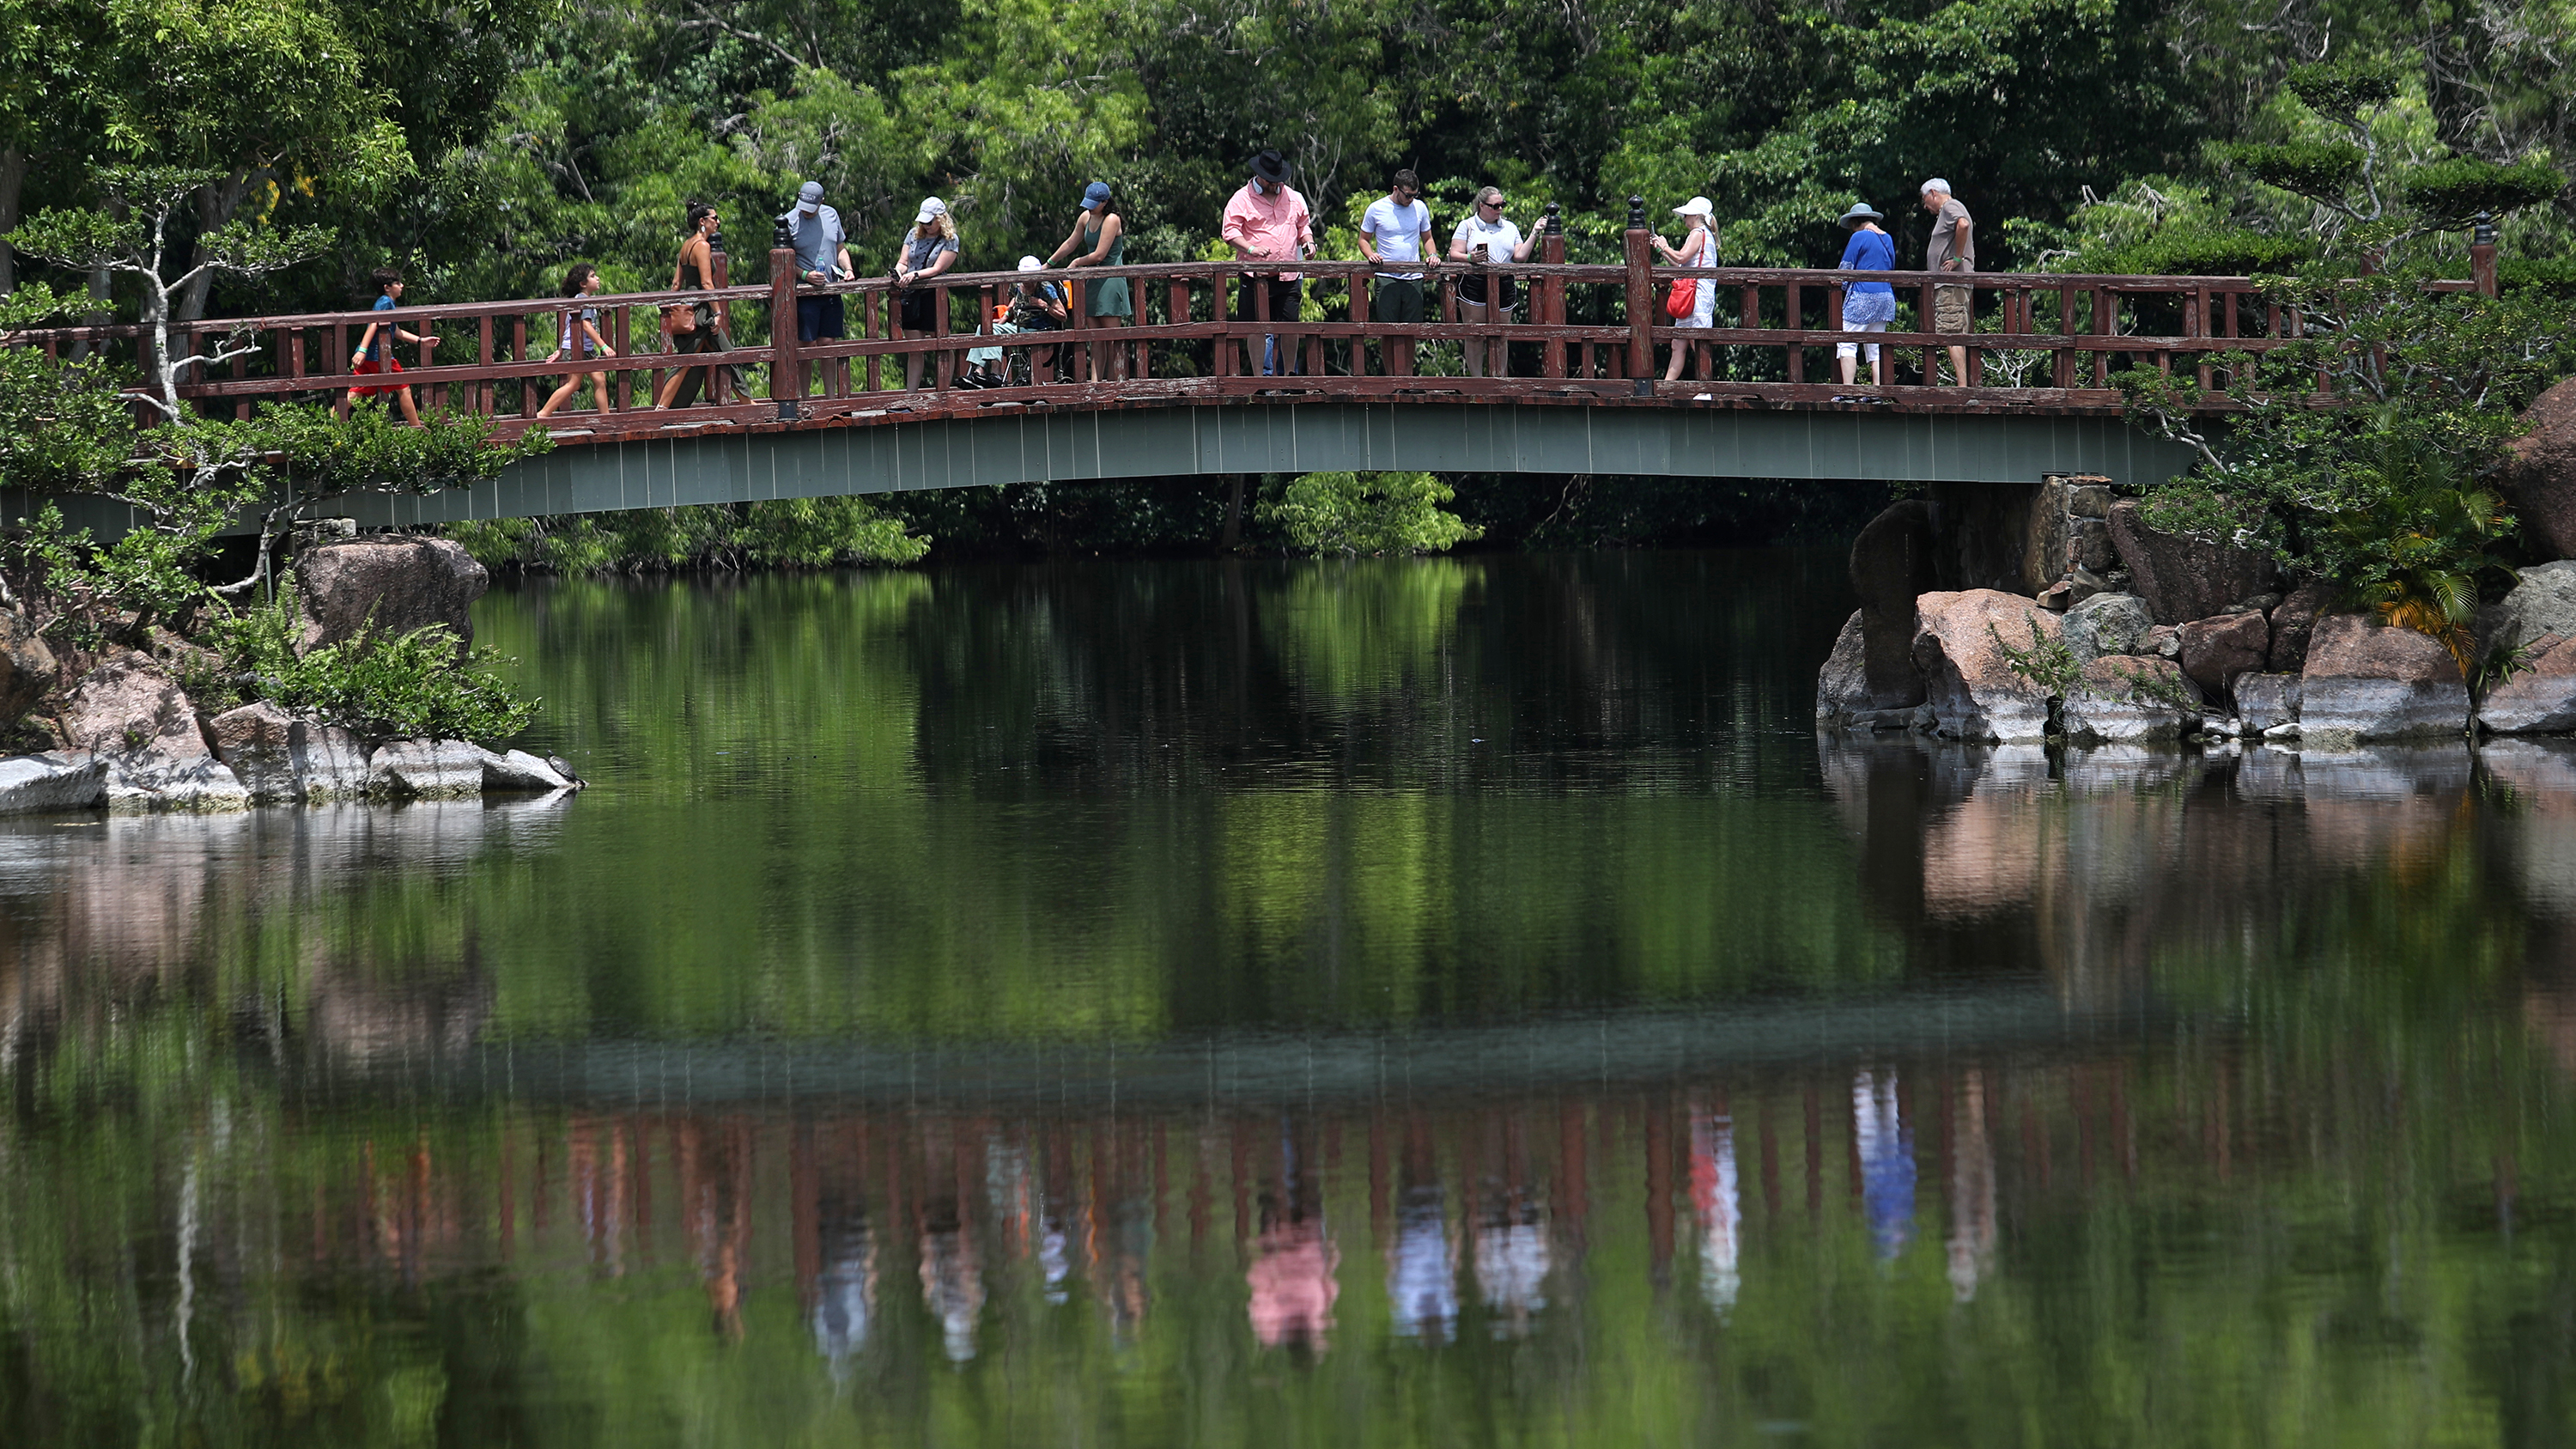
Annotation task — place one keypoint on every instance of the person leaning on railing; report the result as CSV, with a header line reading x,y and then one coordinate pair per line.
x,y
1397,230
1099,239
1867,306
1484,237
1267,221
929,249
1953,248
693,327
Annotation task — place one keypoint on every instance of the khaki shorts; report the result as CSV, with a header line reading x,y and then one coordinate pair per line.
x,y
1950,307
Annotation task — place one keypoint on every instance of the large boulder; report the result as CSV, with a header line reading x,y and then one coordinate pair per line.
x,y
428,770
518,772
390,584
2265,701
1841,686
2292,622
130,713
29,783
2542,477
2540,616
1891,563
2216,650
27,667
2541,607
279,758
2107,624
2182,578
2131,699
1959,647
2370,681
2541,701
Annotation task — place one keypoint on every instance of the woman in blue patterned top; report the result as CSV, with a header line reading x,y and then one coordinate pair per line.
x,y
1867,306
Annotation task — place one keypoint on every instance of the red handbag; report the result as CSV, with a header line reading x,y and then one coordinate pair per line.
x,y
1683,299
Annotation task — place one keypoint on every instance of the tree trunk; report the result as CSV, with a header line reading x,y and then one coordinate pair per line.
x,y
215,206
13,181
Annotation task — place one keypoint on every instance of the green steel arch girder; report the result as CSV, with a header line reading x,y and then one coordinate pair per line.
x,y
883,455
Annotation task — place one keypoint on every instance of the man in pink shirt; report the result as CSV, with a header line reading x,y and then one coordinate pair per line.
x,y
1267,221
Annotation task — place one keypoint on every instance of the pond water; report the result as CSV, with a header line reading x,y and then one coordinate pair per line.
x,y
1444,1002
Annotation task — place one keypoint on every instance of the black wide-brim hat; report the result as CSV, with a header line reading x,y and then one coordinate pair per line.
x,y
1272,167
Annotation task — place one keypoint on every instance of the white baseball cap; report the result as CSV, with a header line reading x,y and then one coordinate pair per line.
x,y
930,211
1696,206
1032,264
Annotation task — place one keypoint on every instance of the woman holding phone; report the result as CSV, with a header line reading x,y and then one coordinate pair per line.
x,y
1486,238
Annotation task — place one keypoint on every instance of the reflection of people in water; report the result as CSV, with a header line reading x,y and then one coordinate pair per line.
x,y
1715,1203
845,1291
1886,1148
1293,1264
1422,1264
1121,1221
1972,1191
1512,1252
716,1195
952,1277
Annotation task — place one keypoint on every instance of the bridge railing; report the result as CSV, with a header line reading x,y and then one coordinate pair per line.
x,y
1591,334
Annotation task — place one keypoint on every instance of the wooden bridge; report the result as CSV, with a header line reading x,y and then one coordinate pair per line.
x,y
1177,392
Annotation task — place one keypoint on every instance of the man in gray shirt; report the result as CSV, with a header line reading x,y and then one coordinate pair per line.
x,y
1953,248
819,240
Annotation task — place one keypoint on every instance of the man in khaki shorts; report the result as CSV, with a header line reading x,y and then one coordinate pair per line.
x,y
1953,248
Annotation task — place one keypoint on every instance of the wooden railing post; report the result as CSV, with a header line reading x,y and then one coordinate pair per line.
x,y
1641,296
1551,292
2482,255
1360,318
720,276
786,370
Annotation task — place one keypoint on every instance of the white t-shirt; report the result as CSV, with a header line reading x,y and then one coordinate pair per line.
x,y
1501,239
1397,232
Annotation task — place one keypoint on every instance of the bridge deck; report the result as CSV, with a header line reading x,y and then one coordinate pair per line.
x,y
1179,391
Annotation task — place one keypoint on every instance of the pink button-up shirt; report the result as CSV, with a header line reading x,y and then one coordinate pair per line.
x,y
1276,227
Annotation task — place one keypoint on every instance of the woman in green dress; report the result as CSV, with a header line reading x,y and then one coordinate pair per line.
x,y
1099,239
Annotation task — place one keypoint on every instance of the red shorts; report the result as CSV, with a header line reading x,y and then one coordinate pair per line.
x,y
376,362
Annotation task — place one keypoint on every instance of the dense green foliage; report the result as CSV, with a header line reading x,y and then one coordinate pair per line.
x,y
2365,453
485,147
778,533
378,687
1367,513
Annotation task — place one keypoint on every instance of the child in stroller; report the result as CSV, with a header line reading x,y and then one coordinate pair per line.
x,y
1035,305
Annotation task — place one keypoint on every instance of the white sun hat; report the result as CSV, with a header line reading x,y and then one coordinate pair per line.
x,y
1696,206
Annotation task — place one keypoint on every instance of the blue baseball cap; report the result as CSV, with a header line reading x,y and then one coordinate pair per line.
x,y
1095,196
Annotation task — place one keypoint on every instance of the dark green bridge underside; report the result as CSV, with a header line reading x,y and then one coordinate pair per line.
x,y
1024,447
677,467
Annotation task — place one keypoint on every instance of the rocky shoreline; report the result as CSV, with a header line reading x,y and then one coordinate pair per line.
x,y
127,738
2060,616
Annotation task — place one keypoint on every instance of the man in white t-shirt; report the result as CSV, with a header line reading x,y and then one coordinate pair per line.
x,y
1487,237
1397,229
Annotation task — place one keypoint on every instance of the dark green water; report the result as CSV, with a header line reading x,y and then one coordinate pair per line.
x,y
1454,1002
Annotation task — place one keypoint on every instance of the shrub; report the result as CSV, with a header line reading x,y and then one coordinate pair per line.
x,y
378,687
1368,513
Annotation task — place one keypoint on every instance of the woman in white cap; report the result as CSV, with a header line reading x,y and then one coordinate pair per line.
x,y
1698,249
929,249
1485,236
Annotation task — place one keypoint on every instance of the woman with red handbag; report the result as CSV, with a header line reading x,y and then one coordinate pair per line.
x,y
1693,300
